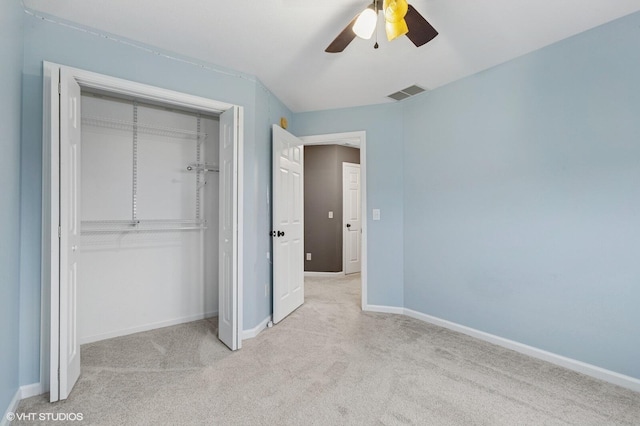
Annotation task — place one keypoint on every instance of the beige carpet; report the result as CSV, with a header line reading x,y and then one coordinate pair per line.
x,y
330,364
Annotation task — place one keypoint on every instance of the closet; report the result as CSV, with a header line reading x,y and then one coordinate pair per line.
x,y
149,209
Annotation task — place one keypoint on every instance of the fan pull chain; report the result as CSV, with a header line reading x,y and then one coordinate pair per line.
x,y
375,6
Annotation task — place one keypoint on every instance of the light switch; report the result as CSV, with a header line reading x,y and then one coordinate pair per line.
x,y
308,256
376,214
330,215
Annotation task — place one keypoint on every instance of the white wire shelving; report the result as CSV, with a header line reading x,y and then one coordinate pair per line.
x,y
152,129
136,224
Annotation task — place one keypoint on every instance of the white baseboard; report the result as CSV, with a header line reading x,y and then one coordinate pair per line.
x,y
146,327
384,309
253,332
323,274
13,405
569,363
34,389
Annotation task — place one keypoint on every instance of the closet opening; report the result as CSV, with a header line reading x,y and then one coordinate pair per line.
x,y
148,216
141,208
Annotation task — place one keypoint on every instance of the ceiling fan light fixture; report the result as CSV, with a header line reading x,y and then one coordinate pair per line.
x,y
400,19
365,25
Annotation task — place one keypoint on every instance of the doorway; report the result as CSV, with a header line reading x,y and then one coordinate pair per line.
x,y
62,225
349,140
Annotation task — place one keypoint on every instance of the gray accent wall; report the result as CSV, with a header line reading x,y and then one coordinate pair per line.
x,y
322,194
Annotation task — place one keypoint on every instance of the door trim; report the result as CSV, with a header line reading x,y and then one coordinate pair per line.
x,y
51,191
357,139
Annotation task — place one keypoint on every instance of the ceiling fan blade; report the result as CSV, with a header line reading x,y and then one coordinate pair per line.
x,y
420,31
344,38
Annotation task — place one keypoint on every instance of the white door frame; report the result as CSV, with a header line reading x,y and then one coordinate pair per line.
x,y
354,140
50,283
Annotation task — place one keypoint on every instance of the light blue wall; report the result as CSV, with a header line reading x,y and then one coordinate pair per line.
x,y
517,196
522,199
11,36
383,124
79,48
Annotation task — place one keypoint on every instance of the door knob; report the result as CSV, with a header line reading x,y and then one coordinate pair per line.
x,y
280,233
348,225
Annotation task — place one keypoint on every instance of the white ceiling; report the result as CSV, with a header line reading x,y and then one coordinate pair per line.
x,y
282,42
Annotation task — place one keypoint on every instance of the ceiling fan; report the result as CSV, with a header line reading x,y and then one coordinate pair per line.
x,y
400,18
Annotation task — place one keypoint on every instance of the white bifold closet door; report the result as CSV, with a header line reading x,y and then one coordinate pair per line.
x,y
228,226
69,231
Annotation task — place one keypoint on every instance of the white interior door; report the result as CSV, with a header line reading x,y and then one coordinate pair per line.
x,y
352,220
288,226
70,134
228,231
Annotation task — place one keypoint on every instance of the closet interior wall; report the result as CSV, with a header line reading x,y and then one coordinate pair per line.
x,y
149,211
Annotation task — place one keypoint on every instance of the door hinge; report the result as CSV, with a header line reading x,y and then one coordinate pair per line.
x,y
59,232
59,88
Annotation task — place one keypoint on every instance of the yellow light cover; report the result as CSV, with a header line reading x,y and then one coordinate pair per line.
x,y
394,13
395,10
396,29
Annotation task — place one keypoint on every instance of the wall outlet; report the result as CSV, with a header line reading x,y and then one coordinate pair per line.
x,y
308,256
330,215
376,214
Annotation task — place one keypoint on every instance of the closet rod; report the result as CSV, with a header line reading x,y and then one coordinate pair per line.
x,y
202,167
139,221
149,225
160,229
